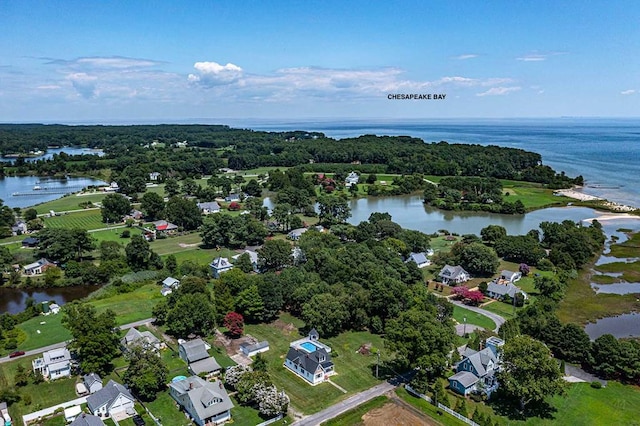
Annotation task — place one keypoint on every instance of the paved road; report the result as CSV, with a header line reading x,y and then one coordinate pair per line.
x,y
346,405
495,317
62,344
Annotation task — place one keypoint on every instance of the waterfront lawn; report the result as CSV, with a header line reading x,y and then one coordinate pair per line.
x,y
52,331
532,195
130,307
355,372
472,318
628,248
68,202
354,416
85,219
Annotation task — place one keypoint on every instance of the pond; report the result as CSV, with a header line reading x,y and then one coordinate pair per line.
x,y
13,300
26,191
627,325
51,151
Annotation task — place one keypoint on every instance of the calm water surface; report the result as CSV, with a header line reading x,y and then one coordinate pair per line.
x,y
14,300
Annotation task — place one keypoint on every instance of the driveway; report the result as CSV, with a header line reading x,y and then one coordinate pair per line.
x,y
499,320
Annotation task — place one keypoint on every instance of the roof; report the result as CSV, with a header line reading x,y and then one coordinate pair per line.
x,y
133,336
170,282
220,263
481,359
250,347
205,365
297,232
502,289
38,264
508,275
313,334
419,258
310,361
107,395
212,205
252,255
207,398
163,225
195,350
465,378
56,355
31,240
87,420
453,272
90,379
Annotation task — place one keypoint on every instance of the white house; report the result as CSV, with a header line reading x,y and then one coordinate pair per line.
x,y
146,339
453,275
195,353
39,267
310,359
54,364
220,265
208,208
168,285
207,403
154,176
509,277
251,349
352,179
499,291
92,382
113,399
420,259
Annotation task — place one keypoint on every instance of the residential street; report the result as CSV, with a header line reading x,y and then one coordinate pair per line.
x,y
62,344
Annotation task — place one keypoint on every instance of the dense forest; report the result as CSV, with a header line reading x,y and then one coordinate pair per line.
x,y
152,147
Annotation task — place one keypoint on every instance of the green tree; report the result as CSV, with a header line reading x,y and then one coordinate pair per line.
x,y
171,264
191,313
529,373
430,193
94,339
274,255
152,204
171,187
549,286
138,253
326,313
184,213
478,259
249,303
333,209
114,208
110,250
253,188
30,214
147,372
244,263
493,233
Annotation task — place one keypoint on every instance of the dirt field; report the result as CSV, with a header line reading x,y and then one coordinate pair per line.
x,y
392,414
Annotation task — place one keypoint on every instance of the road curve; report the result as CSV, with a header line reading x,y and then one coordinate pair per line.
x,y
62,344
499,320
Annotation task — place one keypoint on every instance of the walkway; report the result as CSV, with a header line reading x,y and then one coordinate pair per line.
x,y
45,412
63,344
499,320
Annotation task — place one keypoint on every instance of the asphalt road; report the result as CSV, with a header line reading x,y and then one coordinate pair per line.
x,y
62,344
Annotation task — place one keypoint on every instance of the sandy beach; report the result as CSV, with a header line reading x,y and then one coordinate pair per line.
x,y
576,195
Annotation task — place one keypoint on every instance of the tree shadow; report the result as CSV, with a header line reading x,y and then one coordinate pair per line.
x,y
506,406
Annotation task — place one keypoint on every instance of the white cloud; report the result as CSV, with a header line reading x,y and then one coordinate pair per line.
x,y
212,74
467,56
628,92
103,62
533,57
497,91
84,84
49,87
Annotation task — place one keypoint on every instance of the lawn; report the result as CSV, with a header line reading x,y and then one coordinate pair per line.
x,y
115,235
459,314
500,308
429,409
52,331
176,244
69,202
85,219
355,372
132,306
532,195
165,408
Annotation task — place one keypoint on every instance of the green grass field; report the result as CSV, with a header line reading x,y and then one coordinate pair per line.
x,y
355,372
133,306
52,331
472,318
69,202
86,219
114,235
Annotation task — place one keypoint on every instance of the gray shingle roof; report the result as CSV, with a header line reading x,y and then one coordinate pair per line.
x,y
310,361
107,395
451,272
502,289
90,379
255,346
195,350
87,420
205,365
207,398
465,378
419,258
211,206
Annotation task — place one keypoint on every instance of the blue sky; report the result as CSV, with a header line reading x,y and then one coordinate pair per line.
x,y
157,61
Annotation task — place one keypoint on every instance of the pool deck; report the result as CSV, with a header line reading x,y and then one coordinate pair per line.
x,y
305,342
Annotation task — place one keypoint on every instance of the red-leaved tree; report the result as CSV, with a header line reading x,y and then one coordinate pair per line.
x,y
460,292
474,297
234,322
234,206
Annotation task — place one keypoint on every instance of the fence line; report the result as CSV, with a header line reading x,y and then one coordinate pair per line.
x,y
442,407
273,420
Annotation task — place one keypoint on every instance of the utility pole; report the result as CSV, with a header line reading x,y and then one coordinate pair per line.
x,y
464,334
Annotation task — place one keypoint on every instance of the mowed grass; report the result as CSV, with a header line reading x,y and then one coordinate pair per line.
x,y
459,314
130,307
86,219
355,372
69,202
354,417
52,331
176,244
115,235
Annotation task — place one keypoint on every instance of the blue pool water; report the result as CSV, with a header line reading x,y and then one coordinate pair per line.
x,y
178,378
308,346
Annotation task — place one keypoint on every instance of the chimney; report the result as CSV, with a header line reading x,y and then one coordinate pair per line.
x,y
190,385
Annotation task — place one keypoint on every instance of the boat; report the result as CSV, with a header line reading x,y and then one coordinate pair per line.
x,y
37,188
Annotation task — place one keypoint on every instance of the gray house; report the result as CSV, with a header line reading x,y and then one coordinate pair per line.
x,y
146,339
85,419
208,208
92,382
453,275
420,259
220,265
207,403
195,353
499,291
296,233
113,399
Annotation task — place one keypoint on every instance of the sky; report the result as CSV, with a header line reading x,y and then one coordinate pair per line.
x,y
201,61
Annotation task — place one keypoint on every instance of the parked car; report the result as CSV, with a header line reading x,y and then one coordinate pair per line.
x,y
138,421
15,354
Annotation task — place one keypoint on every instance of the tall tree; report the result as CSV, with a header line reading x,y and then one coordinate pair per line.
x,y
138,253
147,372
94,339
152,204
274,255
333,209
114,208
529,373
326,313
184,213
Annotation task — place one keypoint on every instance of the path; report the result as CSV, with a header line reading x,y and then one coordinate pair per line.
x,y
346,405
499,320
63,344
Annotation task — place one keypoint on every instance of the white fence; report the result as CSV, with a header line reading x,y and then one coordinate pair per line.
x,y
442,407
273,420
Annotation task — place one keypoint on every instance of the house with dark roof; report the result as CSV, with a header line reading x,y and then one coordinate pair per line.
x,y
232,197
39,267
453,275
420,259
207,403
476,372
92,382
113,399
310,359
209,207
30,242
220,265
146,339
195,353
54,364
85,419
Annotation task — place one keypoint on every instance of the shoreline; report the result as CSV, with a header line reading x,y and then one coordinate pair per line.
x,y
575,193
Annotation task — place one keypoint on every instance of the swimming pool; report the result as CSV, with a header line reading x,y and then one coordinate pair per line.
x,y
178,378
308,346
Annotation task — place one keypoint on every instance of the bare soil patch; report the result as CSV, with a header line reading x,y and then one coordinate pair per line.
x,y
392,414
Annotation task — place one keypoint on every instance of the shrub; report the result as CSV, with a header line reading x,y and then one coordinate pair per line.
x,y
596,385
125,234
